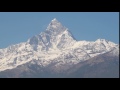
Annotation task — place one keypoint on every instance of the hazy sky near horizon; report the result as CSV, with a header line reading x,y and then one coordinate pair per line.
x,y
16,27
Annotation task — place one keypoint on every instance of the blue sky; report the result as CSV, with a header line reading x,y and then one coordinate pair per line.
x,y
16,27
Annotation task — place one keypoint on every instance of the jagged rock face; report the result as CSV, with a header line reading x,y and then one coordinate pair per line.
x,y
55,36
56,45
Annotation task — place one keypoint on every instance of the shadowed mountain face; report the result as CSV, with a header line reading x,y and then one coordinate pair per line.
x,y
56,53
101,66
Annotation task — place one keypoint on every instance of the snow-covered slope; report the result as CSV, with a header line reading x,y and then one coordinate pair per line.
x,y
55,44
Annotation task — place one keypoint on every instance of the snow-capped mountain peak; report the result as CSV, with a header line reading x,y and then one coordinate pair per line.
x,y
99,40
54,20
55,44
105,42
55,26
55,36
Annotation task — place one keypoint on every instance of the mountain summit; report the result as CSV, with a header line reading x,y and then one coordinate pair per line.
x,y
55,26
54,47
55,36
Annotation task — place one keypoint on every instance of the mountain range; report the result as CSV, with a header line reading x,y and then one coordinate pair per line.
x,y
56,53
